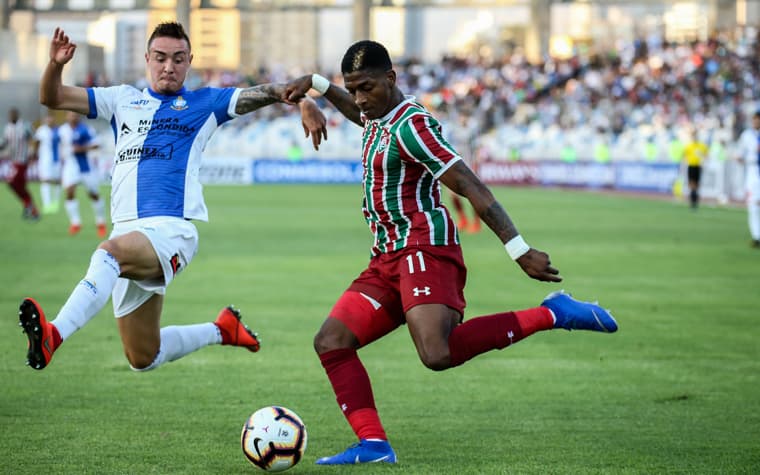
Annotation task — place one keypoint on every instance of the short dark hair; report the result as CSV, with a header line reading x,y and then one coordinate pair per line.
x,y
169,29
364,55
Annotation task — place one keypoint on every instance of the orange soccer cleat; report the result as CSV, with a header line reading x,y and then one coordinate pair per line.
x,y
74,229
102,230
38,331
234,332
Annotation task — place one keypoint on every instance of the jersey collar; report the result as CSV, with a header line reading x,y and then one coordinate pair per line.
x,y
165,96
387,117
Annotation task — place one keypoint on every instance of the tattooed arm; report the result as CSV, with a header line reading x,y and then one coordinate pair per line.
x,y
462,181
312,119
259,96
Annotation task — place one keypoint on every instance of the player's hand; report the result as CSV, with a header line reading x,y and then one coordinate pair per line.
x,y
313,121
61,48
296,89
537,265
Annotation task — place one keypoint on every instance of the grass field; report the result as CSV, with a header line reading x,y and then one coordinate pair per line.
x,y
676,390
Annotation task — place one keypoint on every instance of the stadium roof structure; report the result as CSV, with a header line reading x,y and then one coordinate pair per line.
x,y
267,5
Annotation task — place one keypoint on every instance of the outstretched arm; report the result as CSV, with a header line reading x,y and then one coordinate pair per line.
x,y
53,93
461,180
295,90
312,119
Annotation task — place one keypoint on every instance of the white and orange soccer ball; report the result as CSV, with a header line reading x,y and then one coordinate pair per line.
x,y
274,438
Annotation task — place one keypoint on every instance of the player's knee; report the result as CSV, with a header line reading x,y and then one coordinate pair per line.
x,y
140,361
436,360
109,246
325,341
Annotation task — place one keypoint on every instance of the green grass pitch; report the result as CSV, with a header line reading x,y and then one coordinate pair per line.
x,y
676,390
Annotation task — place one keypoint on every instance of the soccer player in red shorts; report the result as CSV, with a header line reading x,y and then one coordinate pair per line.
x,y
416,274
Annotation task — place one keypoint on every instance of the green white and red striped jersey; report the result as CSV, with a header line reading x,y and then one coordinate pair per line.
x,y
403,155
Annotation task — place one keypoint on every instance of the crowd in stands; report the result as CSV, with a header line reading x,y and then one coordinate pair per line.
x,y
635,102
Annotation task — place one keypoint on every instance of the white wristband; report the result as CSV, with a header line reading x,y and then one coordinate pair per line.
x,y
319,83
516,247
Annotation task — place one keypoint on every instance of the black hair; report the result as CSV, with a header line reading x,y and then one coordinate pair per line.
x,y
366,55
756,114
169,29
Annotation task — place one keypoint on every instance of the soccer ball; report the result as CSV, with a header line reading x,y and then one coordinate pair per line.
x,y
274,438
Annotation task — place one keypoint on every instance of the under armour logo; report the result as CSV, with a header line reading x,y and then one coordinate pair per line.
x,y
510,335
418,292
344,407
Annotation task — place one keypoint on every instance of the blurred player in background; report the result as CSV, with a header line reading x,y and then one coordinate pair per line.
x,y
694,154
463,136
77,139
47,151
749,152
156,195
15,141
416,274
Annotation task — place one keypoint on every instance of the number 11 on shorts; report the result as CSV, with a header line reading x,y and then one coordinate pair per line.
x,y
420,259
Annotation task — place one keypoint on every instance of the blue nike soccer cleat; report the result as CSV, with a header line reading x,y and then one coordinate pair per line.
x,y
365,451
573,314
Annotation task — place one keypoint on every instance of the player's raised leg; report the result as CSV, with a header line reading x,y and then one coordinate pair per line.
x,y
85,301
495,332
148,346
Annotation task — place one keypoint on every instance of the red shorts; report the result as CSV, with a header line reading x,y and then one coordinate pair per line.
x,y
375,303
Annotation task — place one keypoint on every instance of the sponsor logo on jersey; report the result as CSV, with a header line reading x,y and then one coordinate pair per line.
x,y
179,104
125,130
145,153
137,104
423,291
169,125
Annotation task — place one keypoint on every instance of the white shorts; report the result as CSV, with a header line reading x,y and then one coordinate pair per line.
x,y
47,169
71,175
175,241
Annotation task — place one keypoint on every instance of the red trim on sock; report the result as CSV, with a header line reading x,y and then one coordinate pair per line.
x,y
366,424
353,392
57,340
534,319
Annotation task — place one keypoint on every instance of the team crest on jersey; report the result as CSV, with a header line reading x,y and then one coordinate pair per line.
x,y
384,139
179,104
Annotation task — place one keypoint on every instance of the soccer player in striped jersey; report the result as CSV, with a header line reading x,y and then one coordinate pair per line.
x,y
15,139
160,133
416,274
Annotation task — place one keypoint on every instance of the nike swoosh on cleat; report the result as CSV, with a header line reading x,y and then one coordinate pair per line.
x,y
593,312
357,460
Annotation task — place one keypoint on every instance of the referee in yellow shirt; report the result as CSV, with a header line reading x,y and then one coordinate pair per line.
x,y
694,153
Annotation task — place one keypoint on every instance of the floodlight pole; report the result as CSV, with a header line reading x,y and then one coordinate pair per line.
x,y
5,14
361,19
183,13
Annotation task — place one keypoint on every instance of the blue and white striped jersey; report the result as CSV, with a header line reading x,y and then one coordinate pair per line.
x,y
159,140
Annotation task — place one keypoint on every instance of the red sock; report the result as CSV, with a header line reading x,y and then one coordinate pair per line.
x,y
57,340
353,391
534,319
491,332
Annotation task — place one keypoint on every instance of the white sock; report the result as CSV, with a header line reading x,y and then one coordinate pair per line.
x,y
753,209
45,194
72,209
55,192
178,341
90,295
99,207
